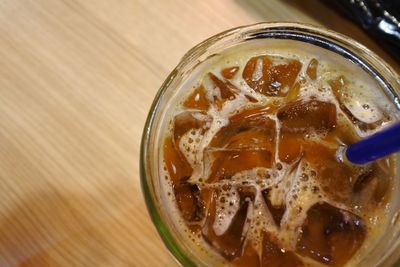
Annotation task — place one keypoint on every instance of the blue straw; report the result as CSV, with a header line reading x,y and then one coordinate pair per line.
x,y
376,146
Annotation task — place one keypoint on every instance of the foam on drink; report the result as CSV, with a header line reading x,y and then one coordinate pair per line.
x,y
250,162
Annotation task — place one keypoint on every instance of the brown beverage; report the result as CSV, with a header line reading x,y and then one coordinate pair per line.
x,y
250,160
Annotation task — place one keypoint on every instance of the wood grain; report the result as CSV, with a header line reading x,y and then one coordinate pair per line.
x,y
76,82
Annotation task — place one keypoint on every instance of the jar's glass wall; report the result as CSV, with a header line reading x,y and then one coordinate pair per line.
x,y
384,254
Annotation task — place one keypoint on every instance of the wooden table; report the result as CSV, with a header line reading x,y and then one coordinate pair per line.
x,y
76,81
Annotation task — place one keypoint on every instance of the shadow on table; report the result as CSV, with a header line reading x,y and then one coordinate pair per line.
x,y
320,12
48,228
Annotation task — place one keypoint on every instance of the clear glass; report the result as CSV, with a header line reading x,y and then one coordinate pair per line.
x,y
385,253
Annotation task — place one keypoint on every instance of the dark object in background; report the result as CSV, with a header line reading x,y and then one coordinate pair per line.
x,y
380,18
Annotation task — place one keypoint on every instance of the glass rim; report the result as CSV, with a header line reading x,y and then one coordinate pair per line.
x,y
307,33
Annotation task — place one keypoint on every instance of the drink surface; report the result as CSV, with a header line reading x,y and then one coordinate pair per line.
x,y
249,159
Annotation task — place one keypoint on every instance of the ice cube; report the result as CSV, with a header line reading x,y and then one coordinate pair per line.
x,y
344,134
363,180
365,115
228,203
225,163
230,72
188,120
305,117
335,177
252,138
273,255
294,92
289,147
372,185
249,128
227,90
176,163
230,243
257,116
330,235
226,207
312,69
189,201
197,100
270,79
248,141
177,166
365,111
276,211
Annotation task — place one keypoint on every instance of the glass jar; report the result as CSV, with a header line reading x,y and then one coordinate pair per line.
x,y
384,253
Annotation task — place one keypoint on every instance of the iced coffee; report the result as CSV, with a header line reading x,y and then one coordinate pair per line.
x,y
250,166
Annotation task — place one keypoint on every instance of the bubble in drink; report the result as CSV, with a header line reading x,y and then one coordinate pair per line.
x,y
251,160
